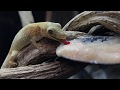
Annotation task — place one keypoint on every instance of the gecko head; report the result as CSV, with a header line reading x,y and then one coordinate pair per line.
x,y
55,32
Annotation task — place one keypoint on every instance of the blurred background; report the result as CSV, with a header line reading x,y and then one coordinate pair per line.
x,y
12,21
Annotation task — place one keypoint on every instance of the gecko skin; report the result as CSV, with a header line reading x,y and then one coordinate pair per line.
x,y
29,34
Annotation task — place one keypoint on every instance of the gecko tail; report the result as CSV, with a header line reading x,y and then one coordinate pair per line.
x,y
9,60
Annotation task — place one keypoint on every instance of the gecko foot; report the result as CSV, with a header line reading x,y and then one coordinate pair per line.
x,y
12,64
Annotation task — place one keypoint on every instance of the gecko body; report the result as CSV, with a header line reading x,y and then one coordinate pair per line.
x,y
29,34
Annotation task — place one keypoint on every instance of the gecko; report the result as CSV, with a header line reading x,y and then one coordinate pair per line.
x,y
31,33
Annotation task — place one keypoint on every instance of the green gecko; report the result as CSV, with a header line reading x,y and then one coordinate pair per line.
x,y
29,34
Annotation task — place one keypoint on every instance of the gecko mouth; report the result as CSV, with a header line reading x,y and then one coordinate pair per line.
x,y
64,41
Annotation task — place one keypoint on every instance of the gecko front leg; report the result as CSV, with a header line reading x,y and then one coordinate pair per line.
x,y
34,42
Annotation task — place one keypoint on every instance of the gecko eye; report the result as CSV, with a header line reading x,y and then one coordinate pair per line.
x,y
50,31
